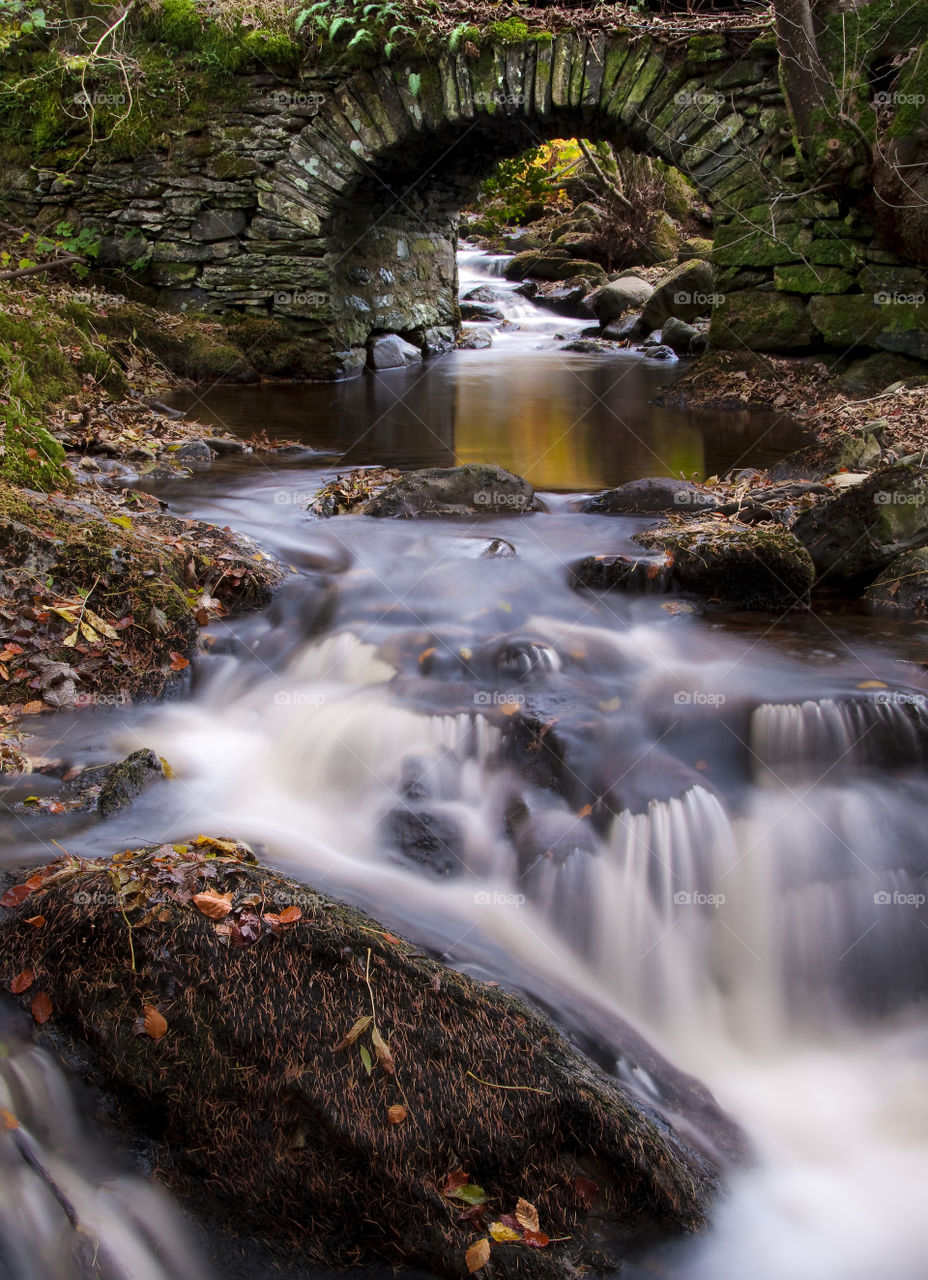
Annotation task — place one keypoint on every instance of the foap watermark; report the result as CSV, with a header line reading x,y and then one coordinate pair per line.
x,y
885,298
485,698
284,98
693,898
84,898
298,698
897,698
94,98
683,298
697,698
887,99
300,298
891,498
693,498
282,899
704,99
485,898
492,498
102,700
97,298
894,898
294,497
483,98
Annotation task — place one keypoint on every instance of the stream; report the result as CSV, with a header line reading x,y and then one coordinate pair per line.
x,y
732,857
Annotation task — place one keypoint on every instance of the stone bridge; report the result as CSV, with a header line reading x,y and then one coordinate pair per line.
x,y
333,203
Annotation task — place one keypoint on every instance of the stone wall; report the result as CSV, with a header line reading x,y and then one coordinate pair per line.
x,y
332,204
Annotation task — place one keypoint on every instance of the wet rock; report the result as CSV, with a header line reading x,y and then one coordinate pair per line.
x,y
226,1037
656,493
392,352
685,292
868,377
748,566
438,340
660,352
527,289
903,585
426,837
484,293
107,788
616,572
516,658
856,534
476,489
589,346
567,299
480,311
194,453
680,336
628,293
630,328
474,340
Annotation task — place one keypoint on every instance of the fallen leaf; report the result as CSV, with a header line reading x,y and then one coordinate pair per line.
x,y
290,915
503,1235
478,1255
178,661
32,708
382,1049
527,1215
358,1029
871,684
366,1058
537,1239
37,922
22,982
227,846
453,1181
9,1120
13,897
155,1023
396,1114
470,1193
41,1007
215,905
587,1190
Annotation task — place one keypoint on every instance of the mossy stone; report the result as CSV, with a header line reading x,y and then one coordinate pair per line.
x,y
761,321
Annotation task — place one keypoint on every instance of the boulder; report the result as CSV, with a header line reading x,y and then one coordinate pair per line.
x,y
474,340
553,264
680,336
868,377
483,293
315,1079
624,294
688,291
903,584
752,567
763,321
392,352
426,838
695,248
856,534
107,788
655,494
437,340
617,572
629,329
480,311
475,489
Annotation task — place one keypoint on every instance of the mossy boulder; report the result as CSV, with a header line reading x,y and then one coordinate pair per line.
x,y
873,374
856,534
761,321
887,322
903,585
800,278
695,248
614,299
319,1081
688,291
475,489
752,567
552,265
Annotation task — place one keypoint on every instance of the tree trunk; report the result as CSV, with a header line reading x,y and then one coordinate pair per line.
x,y
805,78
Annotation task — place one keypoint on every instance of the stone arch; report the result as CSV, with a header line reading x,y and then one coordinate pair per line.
x,y
377,174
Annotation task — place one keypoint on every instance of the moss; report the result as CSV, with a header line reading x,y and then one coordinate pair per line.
x,y
762,321
512,31
800,278
707,48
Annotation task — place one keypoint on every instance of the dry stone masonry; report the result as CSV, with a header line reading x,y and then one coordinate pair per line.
x,y
332,203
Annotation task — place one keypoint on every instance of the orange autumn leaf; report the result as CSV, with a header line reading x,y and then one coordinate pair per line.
x,y
13,897
41,1007
37,922
215,905
396,1114
32,708
155,1023
178,661
478,1255
22,982
537,1239
9,1120
290,915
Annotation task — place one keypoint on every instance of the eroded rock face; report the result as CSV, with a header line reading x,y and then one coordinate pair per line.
x,y
304,1066
856,534
454,491
749,566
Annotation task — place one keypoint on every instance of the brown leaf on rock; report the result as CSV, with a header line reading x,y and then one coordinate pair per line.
x,y
37,922
13,897
358,1029
215,905
526,1215
537,1239
154,1022
478,1255
382,1050
22,982
453,1181
586,1189
41,1007
290,915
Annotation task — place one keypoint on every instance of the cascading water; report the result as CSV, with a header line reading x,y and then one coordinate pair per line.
x,y
709,827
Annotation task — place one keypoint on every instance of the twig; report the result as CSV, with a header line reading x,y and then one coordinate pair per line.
x,y
521,1088
42,266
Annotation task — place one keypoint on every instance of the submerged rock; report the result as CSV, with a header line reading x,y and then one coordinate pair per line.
x,y
110,787
753,567
474,340
475,489
318,1080
609,572
854,535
